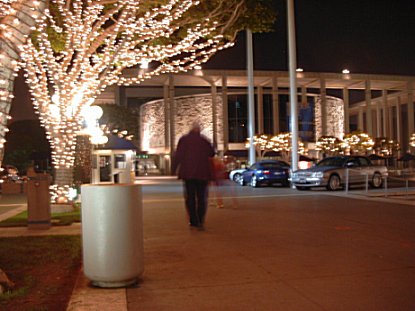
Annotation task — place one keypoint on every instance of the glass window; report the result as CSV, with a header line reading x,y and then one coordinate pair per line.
x,y
363,161
119,161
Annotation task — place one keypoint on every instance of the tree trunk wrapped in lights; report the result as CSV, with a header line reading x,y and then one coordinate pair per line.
x,y
82,46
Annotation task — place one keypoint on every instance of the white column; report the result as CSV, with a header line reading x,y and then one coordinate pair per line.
x,y
386,114
378,120
410,109
225,117
399,121
323,100
346,104
260,109
360,119
275,106
304,97
389,113
172,115
166,117
368,99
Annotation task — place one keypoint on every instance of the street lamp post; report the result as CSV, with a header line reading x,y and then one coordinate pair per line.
x,y
293,83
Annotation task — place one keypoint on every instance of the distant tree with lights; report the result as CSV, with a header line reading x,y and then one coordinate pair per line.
x,y
262,144
82,46
329,145
357,142
282,143
412,140
385,146
279,143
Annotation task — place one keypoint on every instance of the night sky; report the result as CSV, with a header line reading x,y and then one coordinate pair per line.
x,y
364,36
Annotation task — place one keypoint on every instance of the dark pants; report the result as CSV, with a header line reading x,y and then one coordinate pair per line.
x,y
195,195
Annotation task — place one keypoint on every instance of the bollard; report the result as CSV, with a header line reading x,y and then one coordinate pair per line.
x,y
38,200
112,234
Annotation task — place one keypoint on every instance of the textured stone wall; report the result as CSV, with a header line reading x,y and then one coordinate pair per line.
x,y
335,117
187,110
199,107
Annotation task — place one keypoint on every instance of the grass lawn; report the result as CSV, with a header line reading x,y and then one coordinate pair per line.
x,y
43,268
58,219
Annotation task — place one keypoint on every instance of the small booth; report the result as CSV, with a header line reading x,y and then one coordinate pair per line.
x,y
113,162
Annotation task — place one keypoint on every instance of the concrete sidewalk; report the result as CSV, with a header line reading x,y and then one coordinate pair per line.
x,y
279,250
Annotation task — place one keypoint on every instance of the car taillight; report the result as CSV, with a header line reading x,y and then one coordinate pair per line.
x,y
266,172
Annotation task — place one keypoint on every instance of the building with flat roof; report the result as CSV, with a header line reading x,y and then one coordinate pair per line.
x,y
328,104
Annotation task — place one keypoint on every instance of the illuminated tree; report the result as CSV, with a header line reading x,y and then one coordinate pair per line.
x,y
282,143
357,143
82,46
16,19
329,145
385,146
262,144
412,140
279,143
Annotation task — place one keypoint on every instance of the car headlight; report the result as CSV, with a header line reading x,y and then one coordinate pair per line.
x,y
318,174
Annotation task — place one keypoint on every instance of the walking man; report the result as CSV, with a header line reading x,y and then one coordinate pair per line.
x,y
192,160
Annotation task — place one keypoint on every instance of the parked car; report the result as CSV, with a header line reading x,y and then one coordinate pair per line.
x,y
236,174
266,172
332,173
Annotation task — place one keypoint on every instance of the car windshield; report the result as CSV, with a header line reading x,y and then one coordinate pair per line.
x,y
337,162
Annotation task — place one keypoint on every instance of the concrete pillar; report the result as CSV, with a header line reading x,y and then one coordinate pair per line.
x,y
260,109
323,94
346,104
398,121
304,97
120,96
360,123
368,100
213,91
275,106
386,114
410,108
166,117
389,114
225,118
378,120
172,113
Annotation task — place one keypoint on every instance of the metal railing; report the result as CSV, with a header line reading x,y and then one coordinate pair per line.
x,y
402,176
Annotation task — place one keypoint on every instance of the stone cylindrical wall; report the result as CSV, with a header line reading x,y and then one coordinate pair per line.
x,y
188,109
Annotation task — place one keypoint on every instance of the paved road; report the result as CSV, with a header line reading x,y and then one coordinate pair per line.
x,y
280,249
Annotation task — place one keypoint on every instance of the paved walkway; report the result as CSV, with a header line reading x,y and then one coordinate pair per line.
x,y
279,250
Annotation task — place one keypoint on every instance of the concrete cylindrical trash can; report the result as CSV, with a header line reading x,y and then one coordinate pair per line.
x,y
112,234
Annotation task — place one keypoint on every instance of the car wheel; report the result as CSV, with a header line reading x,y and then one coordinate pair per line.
x,y
254,182
377,180
237,178
241,181
334,183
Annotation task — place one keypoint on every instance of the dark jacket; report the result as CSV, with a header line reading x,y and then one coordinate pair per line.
x,y
192,157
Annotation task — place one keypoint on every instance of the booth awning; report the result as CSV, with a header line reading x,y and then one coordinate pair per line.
x,y
117,143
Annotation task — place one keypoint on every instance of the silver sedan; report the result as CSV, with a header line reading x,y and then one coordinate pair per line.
x,y
334,172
